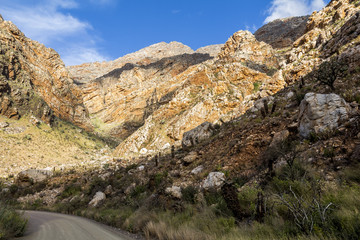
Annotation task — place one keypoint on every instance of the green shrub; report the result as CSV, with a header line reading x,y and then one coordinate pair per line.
x,y
215,199
12,224
188,194
70,190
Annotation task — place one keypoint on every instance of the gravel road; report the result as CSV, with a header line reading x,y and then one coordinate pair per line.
x,y
54,226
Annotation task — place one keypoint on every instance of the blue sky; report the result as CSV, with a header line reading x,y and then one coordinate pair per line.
x,y
97,30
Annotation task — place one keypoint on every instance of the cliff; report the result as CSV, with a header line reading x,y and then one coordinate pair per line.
x,y
34,79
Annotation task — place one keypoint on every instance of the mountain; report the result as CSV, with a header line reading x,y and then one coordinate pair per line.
x,y
250,139
90,71
282,33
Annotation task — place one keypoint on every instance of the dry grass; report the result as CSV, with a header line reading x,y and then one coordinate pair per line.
x,y
42,147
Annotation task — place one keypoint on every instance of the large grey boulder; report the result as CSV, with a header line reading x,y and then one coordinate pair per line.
x,y
320,113
97,199
198,134
34,175
213,180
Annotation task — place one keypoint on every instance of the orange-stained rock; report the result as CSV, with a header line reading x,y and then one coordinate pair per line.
x,y
209,91
36,74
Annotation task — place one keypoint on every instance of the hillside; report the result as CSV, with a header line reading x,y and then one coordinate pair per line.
x,y
256,140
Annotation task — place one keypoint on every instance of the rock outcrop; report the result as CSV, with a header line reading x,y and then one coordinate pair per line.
x,y
309,50
244,48
33,78
282,33
321,113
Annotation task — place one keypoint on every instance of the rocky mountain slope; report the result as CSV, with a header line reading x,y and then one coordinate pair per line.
x,y
90,71
34,78
220,88
147,100
282,33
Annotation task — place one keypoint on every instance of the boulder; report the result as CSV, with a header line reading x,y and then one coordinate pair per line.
x,y
97,199
108,190
197,170
174,191
130,189
33,175
198,134
279,137
191,157
320,113
214,179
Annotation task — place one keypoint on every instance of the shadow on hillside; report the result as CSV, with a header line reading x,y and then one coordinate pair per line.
x,y
186,59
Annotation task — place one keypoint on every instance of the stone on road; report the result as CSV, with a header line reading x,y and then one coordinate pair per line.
x,y
54,226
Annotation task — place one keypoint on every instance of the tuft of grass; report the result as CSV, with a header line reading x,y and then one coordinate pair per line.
x,y
256,86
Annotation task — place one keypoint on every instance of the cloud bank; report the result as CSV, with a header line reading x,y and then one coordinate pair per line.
x,y
50,23
289,8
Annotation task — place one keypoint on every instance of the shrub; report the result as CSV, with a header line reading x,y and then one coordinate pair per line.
x,y
70,190
188,194
12,224
329,71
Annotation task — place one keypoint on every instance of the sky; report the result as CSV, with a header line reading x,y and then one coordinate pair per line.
x,y
102,30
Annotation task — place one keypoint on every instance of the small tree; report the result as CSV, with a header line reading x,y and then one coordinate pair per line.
x,y
329,71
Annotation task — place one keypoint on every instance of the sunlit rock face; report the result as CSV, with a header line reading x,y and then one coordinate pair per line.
x,y
33,78
219,88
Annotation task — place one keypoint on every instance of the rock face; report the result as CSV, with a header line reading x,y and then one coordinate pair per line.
x,y
282,33
311,48
244,48
89,71
212,50
97,199
214,179
123,99
33,78
321,112
224,87
198,134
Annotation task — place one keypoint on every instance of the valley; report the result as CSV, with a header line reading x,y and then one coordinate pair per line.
x,y
256,138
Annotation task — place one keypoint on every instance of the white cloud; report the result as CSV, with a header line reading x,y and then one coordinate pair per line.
x,y
289,8
44,25
50,23
79,55
251,28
